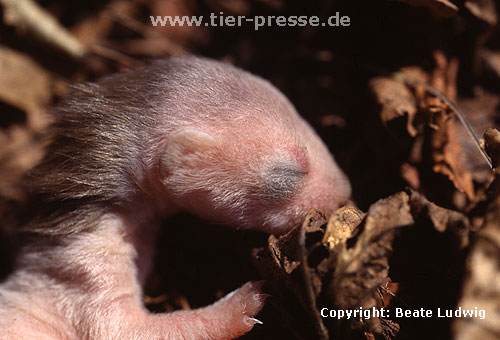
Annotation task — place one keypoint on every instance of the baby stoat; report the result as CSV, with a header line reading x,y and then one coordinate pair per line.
x,y
184,133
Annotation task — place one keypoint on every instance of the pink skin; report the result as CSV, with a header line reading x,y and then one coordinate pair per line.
x,y
262,167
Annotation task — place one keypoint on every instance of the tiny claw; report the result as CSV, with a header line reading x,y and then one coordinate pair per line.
x,y
253,321
264,296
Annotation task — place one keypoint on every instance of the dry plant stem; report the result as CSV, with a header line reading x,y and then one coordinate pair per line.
x,y
115,56
27,15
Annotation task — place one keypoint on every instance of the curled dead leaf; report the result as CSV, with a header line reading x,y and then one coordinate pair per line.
x,y
343,263
341,225
396,100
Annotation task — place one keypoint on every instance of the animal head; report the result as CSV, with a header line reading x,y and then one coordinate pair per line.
x,y
239,152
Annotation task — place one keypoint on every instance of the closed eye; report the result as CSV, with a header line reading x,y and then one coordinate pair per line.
x,y
281,181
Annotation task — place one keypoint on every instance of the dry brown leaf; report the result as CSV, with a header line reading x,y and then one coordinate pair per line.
x,y
25,85
442,219
341,225
361,268
343,264
396,100
482,284
446,150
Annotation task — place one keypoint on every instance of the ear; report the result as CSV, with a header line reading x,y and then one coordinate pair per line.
x,y
185,148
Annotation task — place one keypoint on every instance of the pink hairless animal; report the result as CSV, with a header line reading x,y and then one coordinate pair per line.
x,y
182,134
